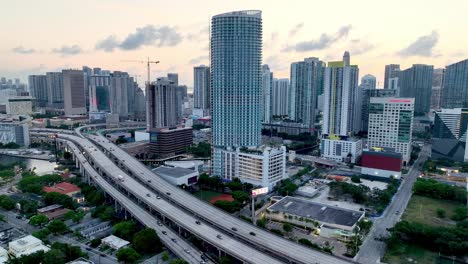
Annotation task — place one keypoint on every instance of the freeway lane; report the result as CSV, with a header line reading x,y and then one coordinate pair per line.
x,y
192,256
207,233
373,250
264,240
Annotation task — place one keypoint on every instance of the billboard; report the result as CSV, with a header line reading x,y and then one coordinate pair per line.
x,y
256,192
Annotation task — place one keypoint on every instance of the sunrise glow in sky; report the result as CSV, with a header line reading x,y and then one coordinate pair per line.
x,y
48,35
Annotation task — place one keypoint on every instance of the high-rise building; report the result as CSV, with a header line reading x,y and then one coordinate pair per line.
x,y
120,83
340,115
161,100
450,134
174,77
267,87
99,93
74,92
55,89
366,96
391,72
236,83
416,82
306,81
437,82
455,88
38,89
368,81
140,105
391,124
346,59
201,87
15,132
279,99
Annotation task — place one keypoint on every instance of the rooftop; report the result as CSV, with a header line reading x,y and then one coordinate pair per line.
x,y
172,172
63,188
186,164
80,261
254,13
320,212
115,242
49,208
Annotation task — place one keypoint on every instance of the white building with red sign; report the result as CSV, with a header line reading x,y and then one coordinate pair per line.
x,y
391,124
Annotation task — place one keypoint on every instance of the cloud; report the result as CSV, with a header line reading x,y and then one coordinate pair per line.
x,y
202,34
270,42
108,44
23,50
423,46
276,64
325,40
198,59
163,36
68,50
296,29
358,47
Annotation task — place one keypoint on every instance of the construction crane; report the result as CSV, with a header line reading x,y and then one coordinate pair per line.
x,y
148,63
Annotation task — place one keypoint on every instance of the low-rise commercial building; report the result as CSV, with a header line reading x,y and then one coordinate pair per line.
x,y
166,142
66,188
3,255
115,242
196,165
341,149
381,163
26,246
331,221
177,176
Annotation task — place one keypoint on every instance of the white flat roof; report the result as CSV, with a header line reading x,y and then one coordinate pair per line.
x,y
115,242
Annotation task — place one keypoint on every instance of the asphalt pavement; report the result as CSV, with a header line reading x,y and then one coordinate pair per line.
x,y
372,250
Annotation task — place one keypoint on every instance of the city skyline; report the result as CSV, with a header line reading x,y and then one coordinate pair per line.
x,y
130,30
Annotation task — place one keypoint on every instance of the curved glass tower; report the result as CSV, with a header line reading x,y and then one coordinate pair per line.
x,y
236,82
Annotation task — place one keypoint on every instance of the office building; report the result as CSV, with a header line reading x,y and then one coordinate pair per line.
x,y
236,84
279,98
340,99
306,84
267,87
161,100
264,166
38,89
343,149
391,124
168,142
55,90
416,82
366,96
455,87
391,76
449,134
18,105
140,105
368,81
74,92
181,95
201,87
174,77
14,132
437,82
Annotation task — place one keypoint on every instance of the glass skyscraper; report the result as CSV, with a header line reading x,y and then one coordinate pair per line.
x,y
236,82
455,88
416,82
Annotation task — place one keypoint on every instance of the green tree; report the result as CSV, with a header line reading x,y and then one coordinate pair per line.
x,y
70,252
6,202
165,256
287,227
240,196
355,179
95,242
54,256
178,261
28,207
127,255
58,198
147,241
42,234
67,155
34,258
262,222
125,230
57,227
460,213
228,206
441,213
39,219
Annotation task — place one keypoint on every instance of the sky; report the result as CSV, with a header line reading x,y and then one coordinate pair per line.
x,y
50,35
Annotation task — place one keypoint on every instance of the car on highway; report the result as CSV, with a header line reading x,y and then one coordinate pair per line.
x,y
88,248
103,255
159,223
186,250
174,240
397,212
252,234
148,195
168,193
158,197
234,229
164,232
197,222
219,237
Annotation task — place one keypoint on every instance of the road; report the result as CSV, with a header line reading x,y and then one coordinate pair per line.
x,y
372,250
